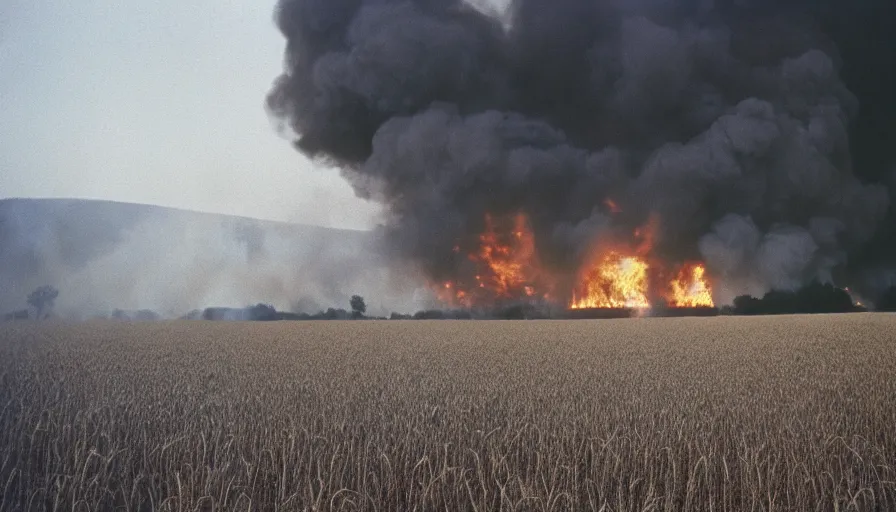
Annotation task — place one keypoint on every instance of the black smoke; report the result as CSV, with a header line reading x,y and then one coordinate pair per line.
x,y
758,132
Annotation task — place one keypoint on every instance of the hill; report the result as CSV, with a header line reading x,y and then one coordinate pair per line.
x,y
104,255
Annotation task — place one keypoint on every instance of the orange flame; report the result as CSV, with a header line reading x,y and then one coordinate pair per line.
x,y
447,293
616,276
506,263
511,264
622,278
690,288
645,235
614,281
612,206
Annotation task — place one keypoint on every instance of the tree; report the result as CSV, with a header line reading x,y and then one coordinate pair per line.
x,y
814,297
263,313
887,301
747,305
42,300
823,298
358,306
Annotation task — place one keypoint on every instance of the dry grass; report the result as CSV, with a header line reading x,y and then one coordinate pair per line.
x,y
789,413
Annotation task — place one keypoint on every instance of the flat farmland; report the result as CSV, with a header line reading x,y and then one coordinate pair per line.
x,y
772,413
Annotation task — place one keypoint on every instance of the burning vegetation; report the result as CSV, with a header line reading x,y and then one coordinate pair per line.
x,y
504,266
614,281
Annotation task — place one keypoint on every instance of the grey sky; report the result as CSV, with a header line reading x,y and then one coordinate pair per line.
x,y
155,102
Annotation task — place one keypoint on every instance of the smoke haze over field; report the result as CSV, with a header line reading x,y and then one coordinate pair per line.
x,y
755,131
104,256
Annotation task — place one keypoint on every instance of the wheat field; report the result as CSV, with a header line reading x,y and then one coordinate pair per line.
x,y
736,414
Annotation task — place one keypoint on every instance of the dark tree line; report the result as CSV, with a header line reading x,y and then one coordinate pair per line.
x,y
267,312
812,298
887,301
41,301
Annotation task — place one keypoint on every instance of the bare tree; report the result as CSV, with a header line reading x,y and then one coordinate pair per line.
x,y
358,306
42,300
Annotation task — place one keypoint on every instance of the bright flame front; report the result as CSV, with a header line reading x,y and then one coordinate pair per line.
x,y
620,275
614,281
506,264
690,288
510,265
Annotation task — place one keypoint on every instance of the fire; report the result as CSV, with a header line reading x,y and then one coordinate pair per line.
x,y
619,277
690,288
506,263
855,300
645,235
615,281
612,206
510,264
505,266
448,293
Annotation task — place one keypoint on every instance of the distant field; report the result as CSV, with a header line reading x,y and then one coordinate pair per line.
x,y
773,413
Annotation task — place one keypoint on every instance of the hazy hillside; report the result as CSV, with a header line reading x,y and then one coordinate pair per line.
x,y
105,255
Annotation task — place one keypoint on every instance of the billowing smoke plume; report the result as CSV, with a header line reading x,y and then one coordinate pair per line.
x,y
728,123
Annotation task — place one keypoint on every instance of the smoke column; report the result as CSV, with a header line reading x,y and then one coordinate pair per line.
x,y
728,121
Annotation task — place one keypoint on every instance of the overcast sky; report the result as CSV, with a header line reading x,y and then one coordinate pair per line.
x,y
157,102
